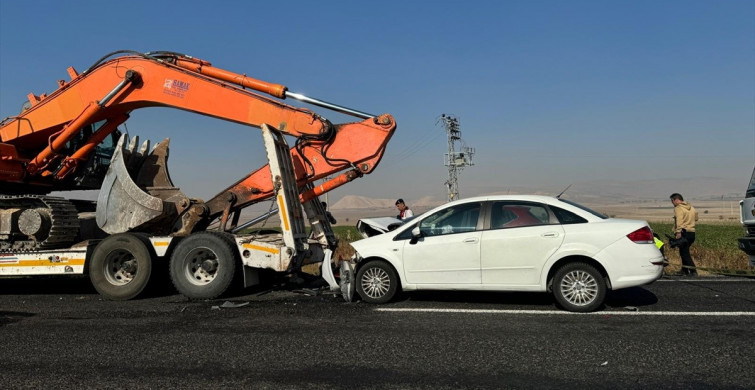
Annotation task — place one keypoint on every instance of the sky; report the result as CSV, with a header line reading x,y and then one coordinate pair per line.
x,y
549,93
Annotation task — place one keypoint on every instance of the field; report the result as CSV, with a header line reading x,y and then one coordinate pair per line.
x,y
715,249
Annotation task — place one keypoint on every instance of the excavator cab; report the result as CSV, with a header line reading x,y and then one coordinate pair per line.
x,y
93,171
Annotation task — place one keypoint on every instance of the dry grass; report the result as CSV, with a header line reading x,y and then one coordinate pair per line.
x,y
715,250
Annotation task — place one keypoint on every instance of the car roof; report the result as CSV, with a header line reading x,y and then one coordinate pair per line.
x,y
549,200
530,198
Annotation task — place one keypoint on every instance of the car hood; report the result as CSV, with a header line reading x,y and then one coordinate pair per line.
x,y
369,227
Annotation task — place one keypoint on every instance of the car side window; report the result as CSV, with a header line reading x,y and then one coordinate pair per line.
x,y
406,234
455,219
509,214
567,217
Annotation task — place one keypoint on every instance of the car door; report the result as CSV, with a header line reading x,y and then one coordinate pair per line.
x,y
448,250
521,237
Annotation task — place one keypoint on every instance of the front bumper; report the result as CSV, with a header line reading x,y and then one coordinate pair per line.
x,y
747,245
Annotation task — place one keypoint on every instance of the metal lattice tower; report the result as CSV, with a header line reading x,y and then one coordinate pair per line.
x,y
455,161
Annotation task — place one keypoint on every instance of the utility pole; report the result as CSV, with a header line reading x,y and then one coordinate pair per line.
x,y
455,161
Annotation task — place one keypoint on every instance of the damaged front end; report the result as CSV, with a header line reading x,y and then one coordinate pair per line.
x,y
347,278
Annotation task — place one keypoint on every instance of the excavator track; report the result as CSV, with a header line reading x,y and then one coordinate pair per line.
x,y
39,223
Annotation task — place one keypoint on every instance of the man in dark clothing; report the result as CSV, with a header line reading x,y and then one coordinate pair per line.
x,y
328,214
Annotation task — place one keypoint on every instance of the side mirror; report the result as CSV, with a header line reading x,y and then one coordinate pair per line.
x,y
416,235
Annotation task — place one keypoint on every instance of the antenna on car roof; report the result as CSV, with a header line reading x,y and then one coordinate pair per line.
x,y
562,192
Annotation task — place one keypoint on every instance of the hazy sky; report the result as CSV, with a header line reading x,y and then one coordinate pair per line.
x,y
548,92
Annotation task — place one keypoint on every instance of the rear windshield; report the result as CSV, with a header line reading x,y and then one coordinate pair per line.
x,y
579,206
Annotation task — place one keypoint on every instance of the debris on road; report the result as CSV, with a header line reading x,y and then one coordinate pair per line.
x,y
229,305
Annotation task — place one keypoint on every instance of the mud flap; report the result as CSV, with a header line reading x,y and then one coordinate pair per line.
x,y
327,270
348,283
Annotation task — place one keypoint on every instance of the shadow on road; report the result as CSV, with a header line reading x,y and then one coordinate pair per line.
x,y
28,285
9,317
484,297
634,297
160,285
70,285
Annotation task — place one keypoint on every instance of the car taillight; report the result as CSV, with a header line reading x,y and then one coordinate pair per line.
x,y
641,236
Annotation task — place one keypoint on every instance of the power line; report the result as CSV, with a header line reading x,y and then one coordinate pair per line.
x,y
414,147
455,161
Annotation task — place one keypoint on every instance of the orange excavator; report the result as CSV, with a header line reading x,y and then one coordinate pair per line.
x,y
70,140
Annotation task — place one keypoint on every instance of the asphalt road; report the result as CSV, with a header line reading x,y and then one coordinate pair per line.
x,y
675,334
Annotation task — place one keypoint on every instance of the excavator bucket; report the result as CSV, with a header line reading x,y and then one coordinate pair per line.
x,y
137,193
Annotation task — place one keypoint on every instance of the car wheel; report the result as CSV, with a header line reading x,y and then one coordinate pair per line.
x,y
579,287
203,265
377,282
120,267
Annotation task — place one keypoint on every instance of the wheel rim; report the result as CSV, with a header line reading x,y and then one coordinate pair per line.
x,y
200,266
579,288
120,267
375,282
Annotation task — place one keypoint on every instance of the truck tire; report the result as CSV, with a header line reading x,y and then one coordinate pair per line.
x,y
203,265
120,266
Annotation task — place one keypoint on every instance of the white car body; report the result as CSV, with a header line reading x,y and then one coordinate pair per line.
x,y
522,258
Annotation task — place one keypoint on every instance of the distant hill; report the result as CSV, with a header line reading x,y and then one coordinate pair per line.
x,y
352,202
700,188
588,192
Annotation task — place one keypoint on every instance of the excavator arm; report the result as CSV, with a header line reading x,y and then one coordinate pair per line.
x,y
118,86
49,143
355,147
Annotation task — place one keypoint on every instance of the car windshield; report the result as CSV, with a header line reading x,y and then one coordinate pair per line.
x,y
579,206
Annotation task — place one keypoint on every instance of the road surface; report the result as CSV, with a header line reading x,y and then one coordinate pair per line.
x,y
676,334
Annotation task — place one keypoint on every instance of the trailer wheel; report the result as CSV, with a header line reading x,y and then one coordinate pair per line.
x,y
120,267
203,265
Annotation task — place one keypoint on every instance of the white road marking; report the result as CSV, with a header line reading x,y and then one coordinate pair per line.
x,y
704,280
599,313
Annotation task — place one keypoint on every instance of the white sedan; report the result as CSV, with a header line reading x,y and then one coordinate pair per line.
x,y
510,243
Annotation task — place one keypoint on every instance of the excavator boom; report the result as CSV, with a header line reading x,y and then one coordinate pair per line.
x,y
53,144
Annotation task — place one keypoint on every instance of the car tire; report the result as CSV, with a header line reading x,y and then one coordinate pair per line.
x,y
203,265
579,287
120,267
377,282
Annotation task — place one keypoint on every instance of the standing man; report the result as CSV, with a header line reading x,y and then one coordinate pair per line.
x,y
684,227
403,211
328,215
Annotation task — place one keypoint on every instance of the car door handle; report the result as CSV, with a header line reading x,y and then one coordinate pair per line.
x,y
550,234
472,240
